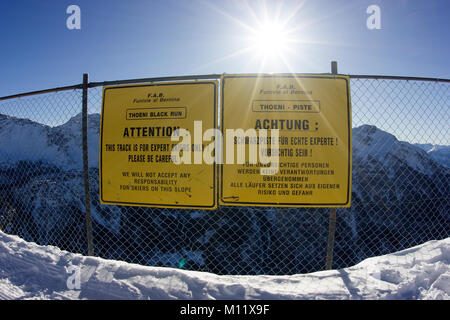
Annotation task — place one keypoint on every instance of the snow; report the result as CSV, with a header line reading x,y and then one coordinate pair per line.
x,y
369,141
440,153
30,271
25,140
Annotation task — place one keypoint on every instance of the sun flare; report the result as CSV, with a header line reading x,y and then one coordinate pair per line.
x,y
271,36
270,40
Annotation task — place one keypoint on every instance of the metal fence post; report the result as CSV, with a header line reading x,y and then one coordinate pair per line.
x,y
332,220
334,67
331,232
87,194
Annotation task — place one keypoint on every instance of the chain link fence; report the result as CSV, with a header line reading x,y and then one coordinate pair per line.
x,y
400,189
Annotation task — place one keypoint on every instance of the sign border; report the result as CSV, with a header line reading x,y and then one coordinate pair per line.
x,y
289,204
157,205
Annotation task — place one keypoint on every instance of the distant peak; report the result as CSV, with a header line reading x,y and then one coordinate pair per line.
x,y
370,134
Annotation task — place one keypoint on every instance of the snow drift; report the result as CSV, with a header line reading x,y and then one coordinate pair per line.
x,y
30,271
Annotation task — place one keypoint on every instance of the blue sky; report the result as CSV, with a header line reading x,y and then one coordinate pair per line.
x,y
145,38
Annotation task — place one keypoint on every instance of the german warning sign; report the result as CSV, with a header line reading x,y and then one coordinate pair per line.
x,y
142,126
287,140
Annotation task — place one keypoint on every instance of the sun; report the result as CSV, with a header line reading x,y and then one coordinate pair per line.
x,y
269,37
270,40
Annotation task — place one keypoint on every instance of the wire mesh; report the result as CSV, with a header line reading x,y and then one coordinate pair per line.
x,y
400,190
41,169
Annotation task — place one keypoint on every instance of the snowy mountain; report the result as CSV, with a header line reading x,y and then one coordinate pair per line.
x,y
61,146
30,271
399,199
370,143
439,153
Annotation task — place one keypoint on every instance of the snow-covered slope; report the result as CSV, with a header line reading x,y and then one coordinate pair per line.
x,y
29,271
61,146
438,152
371,142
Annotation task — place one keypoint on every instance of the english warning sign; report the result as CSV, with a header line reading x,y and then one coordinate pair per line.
x,y
138,127
301,125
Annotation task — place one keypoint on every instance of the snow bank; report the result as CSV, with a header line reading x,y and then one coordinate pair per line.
x,y
30,271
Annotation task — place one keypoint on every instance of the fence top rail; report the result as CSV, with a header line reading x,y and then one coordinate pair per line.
x,y
157,79
380,77
196,77
31,93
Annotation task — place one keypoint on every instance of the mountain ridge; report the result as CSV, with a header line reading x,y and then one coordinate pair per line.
x,y
65,148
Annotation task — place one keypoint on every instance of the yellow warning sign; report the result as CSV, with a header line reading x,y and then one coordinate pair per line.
x,y
141,126
287,140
